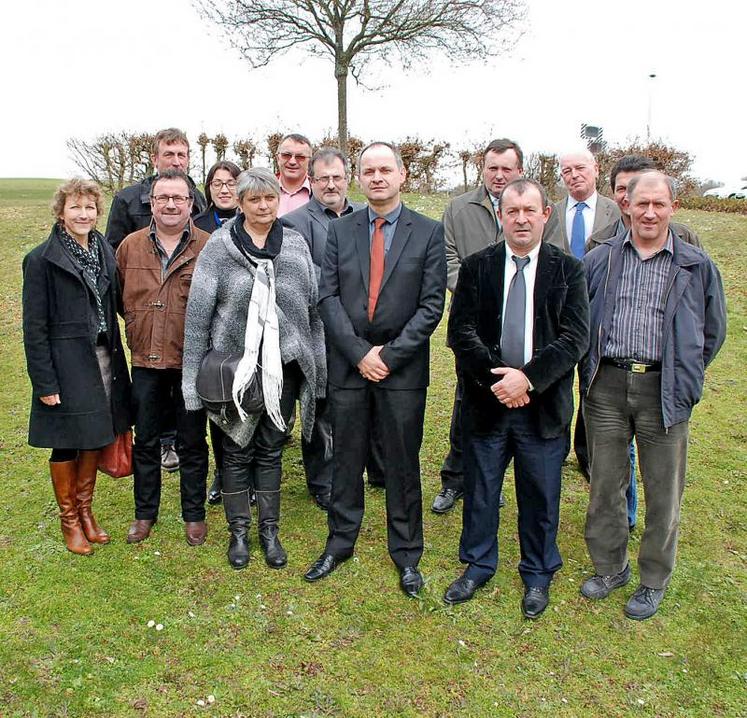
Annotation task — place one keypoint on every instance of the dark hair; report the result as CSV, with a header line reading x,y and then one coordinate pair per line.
x,y
502,145
630,163
327,155
379,143
170,136
296,137
170,174
520,186
227,165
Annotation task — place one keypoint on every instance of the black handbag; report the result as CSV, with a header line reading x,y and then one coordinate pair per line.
x,y
215,384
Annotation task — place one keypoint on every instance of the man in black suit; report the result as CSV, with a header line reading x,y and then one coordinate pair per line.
x,y
519,323
381,297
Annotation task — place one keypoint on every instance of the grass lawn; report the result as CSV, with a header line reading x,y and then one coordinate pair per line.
x,y
74,639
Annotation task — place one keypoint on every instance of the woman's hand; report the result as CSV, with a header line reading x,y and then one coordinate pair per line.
x,y
51,400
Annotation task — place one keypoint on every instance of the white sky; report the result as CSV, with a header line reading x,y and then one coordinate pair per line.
x,y
81,68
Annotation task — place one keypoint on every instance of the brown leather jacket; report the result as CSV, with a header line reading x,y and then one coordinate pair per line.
x,y
155,305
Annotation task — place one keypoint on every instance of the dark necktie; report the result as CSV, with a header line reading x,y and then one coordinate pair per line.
x,y
578,231
514,317
377,266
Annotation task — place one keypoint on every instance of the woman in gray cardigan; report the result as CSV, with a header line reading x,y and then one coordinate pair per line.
x,y
254,293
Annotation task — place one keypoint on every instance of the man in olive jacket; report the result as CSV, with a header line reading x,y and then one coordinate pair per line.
x,y
155,269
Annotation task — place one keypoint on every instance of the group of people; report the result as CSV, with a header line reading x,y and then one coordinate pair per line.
x,y
330,305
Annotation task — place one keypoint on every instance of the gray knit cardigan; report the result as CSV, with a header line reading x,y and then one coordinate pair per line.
x,y
216,317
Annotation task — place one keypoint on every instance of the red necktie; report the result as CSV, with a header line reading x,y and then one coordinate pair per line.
x,y
377,266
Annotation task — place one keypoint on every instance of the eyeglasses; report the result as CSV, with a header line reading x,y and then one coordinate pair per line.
x,y
324,179
219,184
163,199
287,156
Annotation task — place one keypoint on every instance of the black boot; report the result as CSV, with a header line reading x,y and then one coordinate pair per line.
x,y
214,492
239,517
268,506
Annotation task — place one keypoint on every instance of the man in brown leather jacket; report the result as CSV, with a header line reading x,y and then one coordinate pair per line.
x,y
155,268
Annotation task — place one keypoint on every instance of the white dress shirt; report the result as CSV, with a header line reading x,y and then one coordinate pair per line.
x,y
588,213
530,273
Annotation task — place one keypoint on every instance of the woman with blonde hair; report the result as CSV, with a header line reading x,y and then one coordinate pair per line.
x,y
74,355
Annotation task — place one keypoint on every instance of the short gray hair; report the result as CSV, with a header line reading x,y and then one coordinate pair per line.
x,y
257,180
327,155
670,182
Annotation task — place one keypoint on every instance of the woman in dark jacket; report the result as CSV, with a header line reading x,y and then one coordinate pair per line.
x,y
223,201
74,356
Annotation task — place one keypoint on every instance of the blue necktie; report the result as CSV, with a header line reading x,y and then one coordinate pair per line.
x,y
578,231
514,317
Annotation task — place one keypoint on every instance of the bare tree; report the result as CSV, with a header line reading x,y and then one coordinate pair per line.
x,y
245,151
352,33
113,160
220,145
203,141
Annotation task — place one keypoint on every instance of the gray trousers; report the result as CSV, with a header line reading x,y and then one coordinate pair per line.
x,y
621,405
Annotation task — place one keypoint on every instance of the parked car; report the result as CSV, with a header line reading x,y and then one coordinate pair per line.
x,y
738,191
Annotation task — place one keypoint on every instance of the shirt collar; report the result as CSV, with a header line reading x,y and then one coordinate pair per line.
x,y
306,185
668,245
391,218
532,255
590,202
186,233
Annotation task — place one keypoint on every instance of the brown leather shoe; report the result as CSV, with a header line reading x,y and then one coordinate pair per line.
x,y
64,479
88,462
195,531
140,530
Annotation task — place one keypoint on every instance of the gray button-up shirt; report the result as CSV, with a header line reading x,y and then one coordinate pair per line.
x,y
636,331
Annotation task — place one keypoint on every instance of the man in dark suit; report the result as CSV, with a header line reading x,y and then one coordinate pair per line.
x,y
329,175
381,297
518,325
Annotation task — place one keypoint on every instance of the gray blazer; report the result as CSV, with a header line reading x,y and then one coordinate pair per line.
x,y
607,212
312,222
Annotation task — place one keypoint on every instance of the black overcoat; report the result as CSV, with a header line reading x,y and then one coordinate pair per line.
x,y
60,328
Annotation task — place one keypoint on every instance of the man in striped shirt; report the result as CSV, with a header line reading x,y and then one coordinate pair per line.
x,y
657,320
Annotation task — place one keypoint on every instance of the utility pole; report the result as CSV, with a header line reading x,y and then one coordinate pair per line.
x,y
651,77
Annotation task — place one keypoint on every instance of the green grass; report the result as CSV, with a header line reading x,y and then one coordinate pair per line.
x,y
73,633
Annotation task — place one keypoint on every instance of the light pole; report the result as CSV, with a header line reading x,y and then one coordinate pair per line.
x,y
651,77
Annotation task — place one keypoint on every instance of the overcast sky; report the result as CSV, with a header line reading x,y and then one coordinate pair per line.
x,y
75,68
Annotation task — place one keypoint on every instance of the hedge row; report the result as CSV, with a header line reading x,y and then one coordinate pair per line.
x,y
714,204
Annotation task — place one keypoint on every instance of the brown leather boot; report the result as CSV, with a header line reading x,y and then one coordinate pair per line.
x,y
64,480
88,462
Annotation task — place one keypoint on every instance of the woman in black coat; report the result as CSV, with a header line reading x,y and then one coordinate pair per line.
x,y
223,202
74,355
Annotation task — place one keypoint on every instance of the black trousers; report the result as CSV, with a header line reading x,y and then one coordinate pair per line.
x,y
153,390
317,453
452,470
260,461
397,417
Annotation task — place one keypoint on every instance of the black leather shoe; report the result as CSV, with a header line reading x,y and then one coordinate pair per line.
x,y
501,501
644,603
322,567
535,600
445,500
411,581
322,500
598,587
461,590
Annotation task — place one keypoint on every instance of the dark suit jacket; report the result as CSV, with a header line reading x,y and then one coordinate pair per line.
x,y
312,223
410,304
560,339
555,232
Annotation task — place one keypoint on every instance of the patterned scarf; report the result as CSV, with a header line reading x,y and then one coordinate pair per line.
x,y
90,263
262,329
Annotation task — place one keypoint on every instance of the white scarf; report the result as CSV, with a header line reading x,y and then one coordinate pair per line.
x,y
261,327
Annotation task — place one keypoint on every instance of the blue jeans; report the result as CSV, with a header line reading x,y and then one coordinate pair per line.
x,y
631,495
537,466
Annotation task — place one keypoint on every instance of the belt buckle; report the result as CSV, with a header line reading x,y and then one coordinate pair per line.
x,y
638,368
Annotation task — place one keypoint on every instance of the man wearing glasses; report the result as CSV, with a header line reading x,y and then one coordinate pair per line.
x,y
294,152
155,272
329,176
